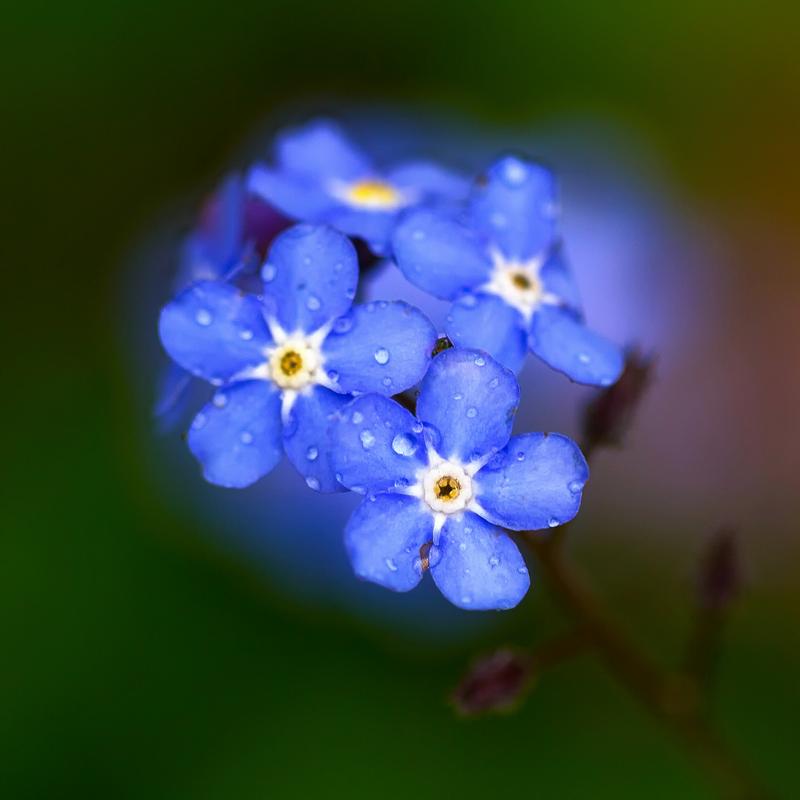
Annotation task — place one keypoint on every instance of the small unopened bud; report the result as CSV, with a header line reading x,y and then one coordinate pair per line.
x,y
493,683
441,345
609,415
721,575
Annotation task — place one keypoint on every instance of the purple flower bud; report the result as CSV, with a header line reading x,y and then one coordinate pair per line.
x,y
609,415
494,683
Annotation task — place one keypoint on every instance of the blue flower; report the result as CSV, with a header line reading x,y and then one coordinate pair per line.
x,y
321,176
442,487
504,267
287,361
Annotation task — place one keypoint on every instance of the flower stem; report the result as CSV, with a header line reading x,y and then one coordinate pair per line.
x,y
675,700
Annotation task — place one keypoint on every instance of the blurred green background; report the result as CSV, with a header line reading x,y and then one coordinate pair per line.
x,y
134,662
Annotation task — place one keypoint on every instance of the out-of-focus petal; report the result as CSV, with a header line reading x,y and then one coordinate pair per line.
x,y
515,205
428,179
237,436
477,566
535,482
292,195
305,436
558,279
383,539
214,331
487,322
566,344
310,277
439,254
379,347
376,445
374,227
471,400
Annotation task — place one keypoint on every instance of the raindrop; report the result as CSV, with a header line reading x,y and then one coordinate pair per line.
x,y
515,172
203,317
466,600
470,301
312,453
554,523
520,456
367,439
583,358
220,400
404,444
357,417
343,324
246,437
493,383
494,561
313,303
523,570
381,355
387,381
392,566
462,546
199,421
417,427
359,489
351,293
307,261
480,361
575,486
268,273
457,396
313,483
471,412
246,335
333,375
498,220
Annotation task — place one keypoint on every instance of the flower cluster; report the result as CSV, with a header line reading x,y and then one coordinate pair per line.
x,y
264,312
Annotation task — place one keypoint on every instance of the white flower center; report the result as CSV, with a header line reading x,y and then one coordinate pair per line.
x,y
370,194
518,283
295,363
447,488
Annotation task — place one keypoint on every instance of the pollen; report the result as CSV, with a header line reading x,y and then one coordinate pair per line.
x,y
375,195
291,363
447,488
521,280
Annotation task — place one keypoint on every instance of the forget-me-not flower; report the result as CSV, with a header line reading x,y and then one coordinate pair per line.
x,y
449,481
504,267
288,360
321,176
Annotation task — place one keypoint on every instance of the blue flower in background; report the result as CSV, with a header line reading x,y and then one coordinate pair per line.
x,y
504,267
290,359
321,176
449,481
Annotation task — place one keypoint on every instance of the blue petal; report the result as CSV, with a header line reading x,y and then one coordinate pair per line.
x,y
172,389
440,255
514,205
533,483
379,347
225,240
558,279
305,436
294,196
471,400
374,227
320,149
376,445
310,277
477,566
563,342
383,539
214,331
488,323
430,180
237,437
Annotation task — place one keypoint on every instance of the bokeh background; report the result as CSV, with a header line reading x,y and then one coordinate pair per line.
x,y
139,658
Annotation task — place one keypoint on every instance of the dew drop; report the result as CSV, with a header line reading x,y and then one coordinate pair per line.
x,y
583,358
220,400
359,490
417,427
471,412
434,556
520,456
387,381
357,418
554,523
381,355
494,561
313,483
522,570
493,383
457,396
333,375
268,273
515,172
480,361
470,301
312,453
203,317
575,487
466,600
367,439
343,324
392,566
246,335
313,303
404,444
246,437
199,421
307,261
462,546
351,293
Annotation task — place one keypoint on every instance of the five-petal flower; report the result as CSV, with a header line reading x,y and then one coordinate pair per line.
x,y
442,487
321,176
504,267
288,360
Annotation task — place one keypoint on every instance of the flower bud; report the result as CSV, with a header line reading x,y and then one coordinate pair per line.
x,y
496,682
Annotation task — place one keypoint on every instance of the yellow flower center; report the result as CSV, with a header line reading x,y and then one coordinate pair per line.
x,y
291,363
447,488
374,195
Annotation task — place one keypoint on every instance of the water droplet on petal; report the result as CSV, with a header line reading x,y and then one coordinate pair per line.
x,y
246,437
268,273
471,412
343,324
333,375
359,490
494,561
404,444
470,301
307,261
313,483
312,303
392,566
312,453
584,358
515,171
523,570
434,556
466,600
203,317
199,421
418,235
387,381
493,383
520,456
480,361
457,396
351,293
462,546
367,439
575,486
357,418
554,523
220,400
381,355
246,335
